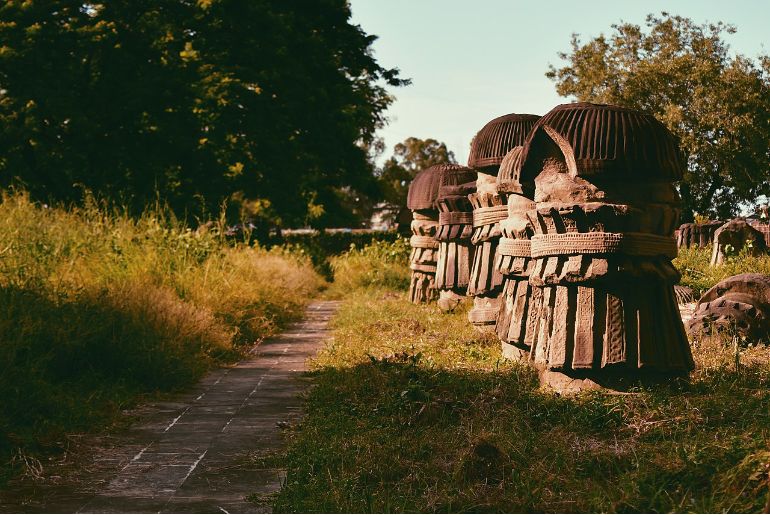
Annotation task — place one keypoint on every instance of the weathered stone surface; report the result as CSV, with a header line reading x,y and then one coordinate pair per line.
x,y
697,235
520,304
732,237
421,199
605,215
488,150
455,253
684,295
738,305
423,258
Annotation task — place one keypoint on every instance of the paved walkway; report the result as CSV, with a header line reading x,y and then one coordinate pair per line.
x,y
203,452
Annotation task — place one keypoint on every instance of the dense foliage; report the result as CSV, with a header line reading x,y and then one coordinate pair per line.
x,y
685,74
268,104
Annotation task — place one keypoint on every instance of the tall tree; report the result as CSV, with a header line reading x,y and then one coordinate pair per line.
x,y
269,103
717,103
410,157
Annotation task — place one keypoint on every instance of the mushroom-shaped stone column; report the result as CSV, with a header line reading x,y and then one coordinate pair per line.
x,y
421,199
606,211
455,225
488,148
519,306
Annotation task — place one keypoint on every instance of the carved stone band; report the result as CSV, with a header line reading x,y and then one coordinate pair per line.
x,y
483,315
423,242
489,215
455,218
423,267
515,248
631,243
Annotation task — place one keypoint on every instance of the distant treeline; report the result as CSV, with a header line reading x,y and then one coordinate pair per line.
x,y
266,108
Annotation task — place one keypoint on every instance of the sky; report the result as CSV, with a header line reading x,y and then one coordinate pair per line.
x,y
471,61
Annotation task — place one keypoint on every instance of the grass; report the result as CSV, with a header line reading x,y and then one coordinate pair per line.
x,y
98,310
379,264
414,412
693,264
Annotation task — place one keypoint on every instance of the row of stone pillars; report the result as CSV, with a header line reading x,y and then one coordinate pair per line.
x,y
564,241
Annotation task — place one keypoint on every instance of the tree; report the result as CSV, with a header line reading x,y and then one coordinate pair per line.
x,y
409,158
684,74
269,104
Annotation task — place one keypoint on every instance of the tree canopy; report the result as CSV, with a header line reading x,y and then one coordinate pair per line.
x,y
683,73
269,104
409,158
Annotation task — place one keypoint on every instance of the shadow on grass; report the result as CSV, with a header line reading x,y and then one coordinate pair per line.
x,y
71,364
398,434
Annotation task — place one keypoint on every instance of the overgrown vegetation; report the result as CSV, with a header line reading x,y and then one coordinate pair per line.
x,y
693,264
379,264
98,309
415,412
322,247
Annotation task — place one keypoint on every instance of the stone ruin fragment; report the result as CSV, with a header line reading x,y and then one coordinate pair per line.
x,y
421,200
697,235
732,237
455,218
488,148
519,306
606,211
736,306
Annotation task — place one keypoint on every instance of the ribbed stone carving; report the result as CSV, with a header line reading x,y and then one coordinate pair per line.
x,y
606,210
488,149
455,253
421,200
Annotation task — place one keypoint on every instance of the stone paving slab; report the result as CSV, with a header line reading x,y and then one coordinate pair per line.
x,y
194,453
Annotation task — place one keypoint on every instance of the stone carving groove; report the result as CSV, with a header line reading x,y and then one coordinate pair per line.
x,y
697,235
606,211
421,200
520,303
738,305
488,148
455,253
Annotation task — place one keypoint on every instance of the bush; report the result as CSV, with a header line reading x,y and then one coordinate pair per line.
x,y
380,263
97,309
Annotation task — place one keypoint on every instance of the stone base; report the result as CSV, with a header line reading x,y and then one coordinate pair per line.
x,y
514,353
483,316
449,300
617,382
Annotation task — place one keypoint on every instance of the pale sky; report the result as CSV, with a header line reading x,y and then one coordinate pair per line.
x,y
472,61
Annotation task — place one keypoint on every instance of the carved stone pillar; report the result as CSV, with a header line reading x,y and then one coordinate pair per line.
x,y
488,148
455,253
421,200
732,237
520,303
606,211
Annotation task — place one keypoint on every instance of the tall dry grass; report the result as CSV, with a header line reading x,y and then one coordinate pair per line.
x,y
379,264
97,308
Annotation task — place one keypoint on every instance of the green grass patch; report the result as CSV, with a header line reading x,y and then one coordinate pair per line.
x,y
693,264
413,411
98,310
379,264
